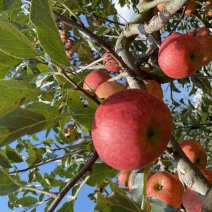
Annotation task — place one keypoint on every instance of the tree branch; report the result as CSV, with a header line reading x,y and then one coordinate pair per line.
x,y
69,185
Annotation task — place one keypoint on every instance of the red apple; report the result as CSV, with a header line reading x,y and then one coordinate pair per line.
x,y
180,55
69,53
208,8
69,131
154,88
98,22
190,7
95,78
64,36
203,31
110,63
123,178
69,44
191,201
195,152
131,129
206,45
108,88
166,187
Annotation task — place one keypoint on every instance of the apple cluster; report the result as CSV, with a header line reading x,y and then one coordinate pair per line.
x,y
181,55
167,186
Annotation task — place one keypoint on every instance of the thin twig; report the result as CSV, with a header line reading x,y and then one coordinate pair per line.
x,y
77,177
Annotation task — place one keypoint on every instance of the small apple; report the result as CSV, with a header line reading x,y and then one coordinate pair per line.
x,y
180,55
206,45
69,131
195,152
69,53
208,9
154,88
108,88
131,129
98,22
69,44
123,178
203,31
64,36
191,201
110,63
166,187
190,7
94,79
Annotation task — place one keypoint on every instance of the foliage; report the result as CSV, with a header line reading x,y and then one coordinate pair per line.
x,y
41,94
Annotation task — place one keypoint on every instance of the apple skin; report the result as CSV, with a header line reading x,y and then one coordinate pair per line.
x,y
108,88
206,45
191,201
154,88
208,9
203,31
110,63
161,5
123,178
95,78
180,55
195,152
131,129
166,187
190,7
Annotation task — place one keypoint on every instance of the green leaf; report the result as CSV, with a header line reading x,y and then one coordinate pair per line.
x,y
25,202
8,61
42,17
3,71
159,206
81,108
4,161
30,120
67,207
15,93
115,202
33,156
101,172
7,184
13,155
6,4
14,43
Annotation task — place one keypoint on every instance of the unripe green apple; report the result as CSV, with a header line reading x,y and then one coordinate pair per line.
x,y
131,129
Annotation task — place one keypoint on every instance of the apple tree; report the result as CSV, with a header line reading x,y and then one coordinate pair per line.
x,y
55,54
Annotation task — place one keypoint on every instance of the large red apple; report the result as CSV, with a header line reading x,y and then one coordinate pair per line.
x,y
191,201
110,63
195,152
95,78
180,55
166,187
108,88
131,129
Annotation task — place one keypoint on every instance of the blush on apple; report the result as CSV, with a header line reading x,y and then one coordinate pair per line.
x,y
110,63
95,78
191,201
195,152
131,129
190,7
108,88
166,187
180,55
203,31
